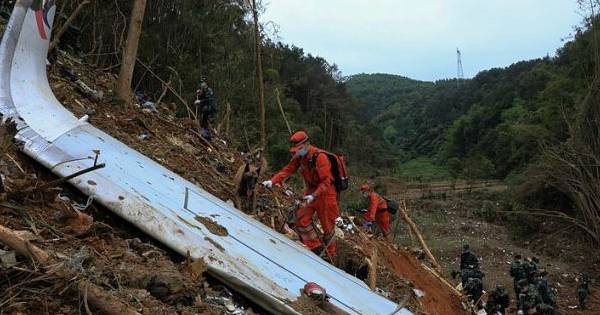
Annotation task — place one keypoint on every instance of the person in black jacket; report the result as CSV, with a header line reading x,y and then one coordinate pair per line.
x,y
468,260
205,108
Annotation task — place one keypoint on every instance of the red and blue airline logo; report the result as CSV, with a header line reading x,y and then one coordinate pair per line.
x,y
41,8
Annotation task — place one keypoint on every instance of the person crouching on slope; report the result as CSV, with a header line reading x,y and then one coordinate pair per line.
x,y
377,211
320,195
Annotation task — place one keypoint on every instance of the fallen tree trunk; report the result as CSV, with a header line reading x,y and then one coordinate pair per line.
x,y
97,296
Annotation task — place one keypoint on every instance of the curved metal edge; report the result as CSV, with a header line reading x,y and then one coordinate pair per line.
x,y
7,54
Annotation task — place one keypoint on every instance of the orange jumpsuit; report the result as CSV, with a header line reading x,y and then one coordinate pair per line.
x,y
377,212
319,183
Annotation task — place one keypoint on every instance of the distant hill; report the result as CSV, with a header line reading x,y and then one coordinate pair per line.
x,y
497,119
379,91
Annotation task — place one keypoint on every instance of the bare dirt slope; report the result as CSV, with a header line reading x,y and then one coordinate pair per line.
x,y
437,298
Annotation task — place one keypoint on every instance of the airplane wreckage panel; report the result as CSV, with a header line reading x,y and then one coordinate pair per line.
x,y
256,261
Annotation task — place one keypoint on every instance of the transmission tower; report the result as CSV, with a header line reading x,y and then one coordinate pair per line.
x,y
459,68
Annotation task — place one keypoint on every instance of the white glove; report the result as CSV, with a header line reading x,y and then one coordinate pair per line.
x,y
268,184
308,198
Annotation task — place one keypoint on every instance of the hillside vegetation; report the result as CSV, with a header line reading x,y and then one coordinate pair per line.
x,y
496,120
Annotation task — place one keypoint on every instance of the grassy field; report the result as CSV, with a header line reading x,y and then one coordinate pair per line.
x,y
422,168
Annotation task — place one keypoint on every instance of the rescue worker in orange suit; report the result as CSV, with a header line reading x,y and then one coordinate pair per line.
x,y
320,195
377,211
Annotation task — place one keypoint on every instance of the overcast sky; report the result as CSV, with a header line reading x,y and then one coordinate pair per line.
x,y
418,38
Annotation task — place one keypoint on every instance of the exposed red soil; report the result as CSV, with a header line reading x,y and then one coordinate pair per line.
x,y
439,298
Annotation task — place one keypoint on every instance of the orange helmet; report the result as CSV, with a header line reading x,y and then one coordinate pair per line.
x,y
297,139
365,187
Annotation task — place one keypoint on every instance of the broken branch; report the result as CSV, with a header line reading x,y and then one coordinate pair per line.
x,y
60,180
287,123
97,296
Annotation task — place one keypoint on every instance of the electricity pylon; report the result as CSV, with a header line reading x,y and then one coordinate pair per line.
x,y
460,75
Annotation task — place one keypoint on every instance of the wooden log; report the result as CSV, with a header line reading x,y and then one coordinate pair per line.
x,y
97,296
415,230
104,301
373,262
21,246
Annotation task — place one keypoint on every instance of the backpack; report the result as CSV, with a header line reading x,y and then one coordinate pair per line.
x,y
392,205
338,169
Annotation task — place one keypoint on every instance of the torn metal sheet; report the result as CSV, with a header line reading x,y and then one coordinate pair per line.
x,y
256,261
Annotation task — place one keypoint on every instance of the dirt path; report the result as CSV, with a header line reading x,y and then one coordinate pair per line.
x,y
443,189
438,298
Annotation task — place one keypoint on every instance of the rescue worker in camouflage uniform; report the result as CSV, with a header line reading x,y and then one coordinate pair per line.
x,y
546,294
544,290
528,297
498,301
518,273
583,290
531,268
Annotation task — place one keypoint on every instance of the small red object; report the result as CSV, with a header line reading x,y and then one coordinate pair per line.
x,y
315,291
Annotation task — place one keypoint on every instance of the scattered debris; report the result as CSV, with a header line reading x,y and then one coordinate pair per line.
x,y
143,136
149,106
419,293
8,258
70,75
